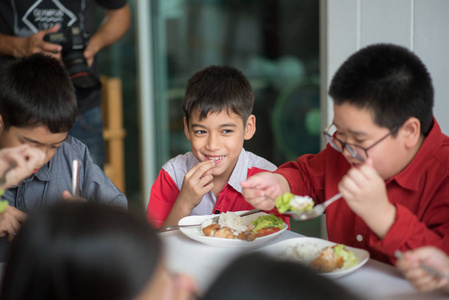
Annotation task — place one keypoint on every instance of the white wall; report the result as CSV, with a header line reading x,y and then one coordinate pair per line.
x,y
420,25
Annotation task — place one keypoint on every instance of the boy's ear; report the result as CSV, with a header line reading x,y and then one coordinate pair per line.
x,y
411,132
1,123
250,127
186,129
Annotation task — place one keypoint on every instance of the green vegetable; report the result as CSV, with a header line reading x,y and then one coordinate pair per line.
x,y
348,256
3,205
267,221
283,204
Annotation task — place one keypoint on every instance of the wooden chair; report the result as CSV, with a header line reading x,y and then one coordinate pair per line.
x,y
113,131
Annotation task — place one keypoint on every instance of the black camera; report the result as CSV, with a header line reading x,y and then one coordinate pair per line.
x,y
73,43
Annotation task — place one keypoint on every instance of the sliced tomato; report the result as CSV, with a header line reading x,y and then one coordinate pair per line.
x,y
267,231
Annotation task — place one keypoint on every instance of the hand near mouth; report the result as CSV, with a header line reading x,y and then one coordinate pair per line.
x,y
197,182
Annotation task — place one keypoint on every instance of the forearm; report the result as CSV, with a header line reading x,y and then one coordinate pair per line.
x,y
179,211
381,221
11,45
115,24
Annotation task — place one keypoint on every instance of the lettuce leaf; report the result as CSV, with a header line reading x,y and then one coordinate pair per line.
x,y
267,221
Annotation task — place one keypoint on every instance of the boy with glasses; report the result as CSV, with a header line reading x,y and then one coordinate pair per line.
x,y
387,157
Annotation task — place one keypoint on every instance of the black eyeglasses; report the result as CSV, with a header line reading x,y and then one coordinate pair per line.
x,y
356,151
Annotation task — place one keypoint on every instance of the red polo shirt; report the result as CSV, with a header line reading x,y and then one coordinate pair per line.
x,y
167,186
420,193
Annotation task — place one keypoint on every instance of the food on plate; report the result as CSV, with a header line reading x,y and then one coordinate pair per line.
x,y
335,257
323,260
231,226
290,202
267,224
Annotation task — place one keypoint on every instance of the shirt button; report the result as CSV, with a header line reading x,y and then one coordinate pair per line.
x,y
217,212
359,237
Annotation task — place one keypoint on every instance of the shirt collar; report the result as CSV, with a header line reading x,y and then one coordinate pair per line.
x,y
407,178
240,172
44,173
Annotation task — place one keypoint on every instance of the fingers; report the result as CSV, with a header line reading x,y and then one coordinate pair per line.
x,y
36,43
199,172
185,286
26,160
258,198
10,221
67,196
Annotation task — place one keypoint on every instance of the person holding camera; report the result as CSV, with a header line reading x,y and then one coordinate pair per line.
x,y
67,30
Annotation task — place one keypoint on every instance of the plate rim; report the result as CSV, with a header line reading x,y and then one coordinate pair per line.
x,y
289,242
229,242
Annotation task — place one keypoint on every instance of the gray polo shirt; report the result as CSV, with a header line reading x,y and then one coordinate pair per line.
x,y
46,186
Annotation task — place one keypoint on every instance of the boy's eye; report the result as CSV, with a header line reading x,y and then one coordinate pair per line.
x,y
200,131
227,131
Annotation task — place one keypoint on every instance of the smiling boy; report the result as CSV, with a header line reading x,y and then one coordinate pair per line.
x,y
387,157
217,104
38,108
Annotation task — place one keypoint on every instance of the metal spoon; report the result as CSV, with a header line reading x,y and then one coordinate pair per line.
x,y
317,210
76,166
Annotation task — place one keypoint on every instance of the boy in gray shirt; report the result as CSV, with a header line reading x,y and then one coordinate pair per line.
x,y
38,107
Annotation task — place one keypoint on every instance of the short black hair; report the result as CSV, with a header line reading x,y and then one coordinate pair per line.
x,y
390,81
74,250
216,89
36,90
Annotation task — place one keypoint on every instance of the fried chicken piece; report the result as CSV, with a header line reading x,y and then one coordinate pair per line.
x,y
210,230
248,235
216,230
327,261
224,232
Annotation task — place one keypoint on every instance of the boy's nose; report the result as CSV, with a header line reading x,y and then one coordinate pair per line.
x,y
213,143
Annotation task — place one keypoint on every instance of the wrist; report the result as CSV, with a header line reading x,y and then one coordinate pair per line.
x,y
182,207
12,45
381,220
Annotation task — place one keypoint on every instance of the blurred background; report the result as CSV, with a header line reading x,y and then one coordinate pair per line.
x,y
274,42
289,50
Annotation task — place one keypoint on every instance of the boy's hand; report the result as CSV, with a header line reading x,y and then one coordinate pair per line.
x,y
258,187
67,196
26,160
10,221
197,182
365,193
433,257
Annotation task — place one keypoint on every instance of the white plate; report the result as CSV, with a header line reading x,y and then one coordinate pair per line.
x,y
197,234
278,250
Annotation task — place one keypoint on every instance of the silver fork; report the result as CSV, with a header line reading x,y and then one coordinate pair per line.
x,y
398,254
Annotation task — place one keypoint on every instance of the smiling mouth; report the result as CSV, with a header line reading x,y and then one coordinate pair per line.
x,y
215,159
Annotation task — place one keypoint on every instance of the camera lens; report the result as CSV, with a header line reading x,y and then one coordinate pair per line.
x,y
79,72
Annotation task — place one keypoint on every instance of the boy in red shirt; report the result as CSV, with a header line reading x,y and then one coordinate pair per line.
x,y
387,157
217,104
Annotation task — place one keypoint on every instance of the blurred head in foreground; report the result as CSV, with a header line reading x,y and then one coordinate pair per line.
x,y
86,251
257,276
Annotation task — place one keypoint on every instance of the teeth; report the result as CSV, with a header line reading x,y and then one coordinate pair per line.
x,y
215,158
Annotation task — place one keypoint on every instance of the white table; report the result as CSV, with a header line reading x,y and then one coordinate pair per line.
x,y
375,280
